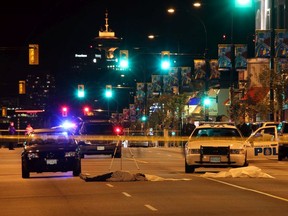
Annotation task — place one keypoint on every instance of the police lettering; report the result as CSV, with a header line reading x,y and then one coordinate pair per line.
x,y
266,151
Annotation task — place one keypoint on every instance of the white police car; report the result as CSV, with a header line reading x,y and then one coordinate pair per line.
x,y
215,145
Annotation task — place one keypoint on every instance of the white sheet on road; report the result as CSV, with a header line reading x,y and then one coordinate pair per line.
x,y
120,176
242,172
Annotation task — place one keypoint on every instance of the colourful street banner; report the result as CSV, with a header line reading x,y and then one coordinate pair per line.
x,y
186,77
132,111
214,72
262,43
240,56
170,80
126,114
281,43
224,56
199,69
149,90
156,83
140,92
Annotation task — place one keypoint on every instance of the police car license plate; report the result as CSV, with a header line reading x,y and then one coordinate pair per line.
x,y
214,159
100,148
51,161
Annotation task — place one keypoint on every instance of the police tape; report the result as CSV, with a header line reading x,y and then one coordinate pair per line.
x,y
104,138
22,138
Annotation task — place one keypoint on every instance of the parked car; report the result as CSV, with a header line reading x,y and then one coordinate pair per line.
x,y
215,145
50,150
98,137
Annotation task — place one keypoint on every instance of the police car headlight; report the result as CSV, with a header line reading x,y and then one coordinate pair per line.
x,y
31,155
70,154
237,151
194,151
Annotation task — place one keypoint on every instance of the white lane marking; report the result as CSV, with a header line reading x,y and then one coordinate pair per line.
x,y
249,189
141,161
150,207
126,194
110,185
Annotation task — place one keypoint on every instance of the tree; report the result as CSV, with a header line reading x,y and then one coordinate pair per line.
x,y
167,111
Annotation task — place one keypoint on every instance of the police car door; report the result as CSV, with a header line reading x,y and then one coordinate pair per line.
x,y
263,144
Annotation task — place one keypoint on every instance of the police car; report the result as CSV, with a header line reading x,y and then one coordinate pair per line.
x,y
222,145
215,145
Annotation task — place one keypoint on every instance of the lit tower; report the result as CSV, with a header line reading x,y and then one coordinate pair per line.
x,y
107,41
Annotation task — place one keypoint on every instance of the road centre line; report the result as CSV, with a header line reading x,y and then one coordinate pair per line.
x,y
249,189
110,185
126,194
150,207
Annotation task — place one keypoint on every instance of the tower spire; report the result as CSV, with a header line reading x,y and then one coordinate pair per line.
x,y
106,33
106,21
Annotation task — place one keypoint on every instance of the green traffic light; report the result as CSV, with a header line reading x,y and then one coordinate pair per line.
x,y
108,93
81,94
207,101
144,118
165,65
243,3
124,63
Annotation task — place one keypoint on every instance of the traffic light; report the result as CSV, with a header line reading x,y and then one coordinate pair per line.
x,y
4,111
207,101
33,54
165,60
81,92
86,110
243,3
118,130
108,92
144,118
64,111
22,87
123,62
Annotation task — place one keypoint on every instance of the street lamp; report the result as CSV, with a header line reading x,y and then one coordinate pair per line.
x,y
173,11
197,4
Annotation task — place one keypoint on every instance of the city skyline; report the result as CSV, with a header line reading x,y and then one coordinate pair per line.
x,y
62,28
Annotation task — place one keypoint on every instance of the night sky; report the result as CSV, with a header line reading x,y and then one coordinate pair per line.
x,y
62,26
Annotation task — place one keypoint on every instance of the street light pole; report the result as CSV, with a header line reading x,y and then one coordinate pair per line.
x,y
206,87
272,55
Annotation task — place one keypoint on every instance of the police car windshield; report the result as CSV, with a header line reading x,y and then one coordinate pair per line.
x,y
216,132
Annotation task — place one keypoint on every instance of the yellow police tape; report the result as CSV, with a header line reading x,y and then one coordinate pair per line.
x,y
22,138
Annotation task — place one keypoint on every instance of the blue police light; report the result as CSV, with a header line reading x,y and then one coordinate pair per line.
x,y
68,124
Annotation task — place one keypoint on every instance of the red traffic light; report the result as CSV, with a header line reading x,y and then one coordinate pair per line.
x,y
118,130
86,110
64,111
